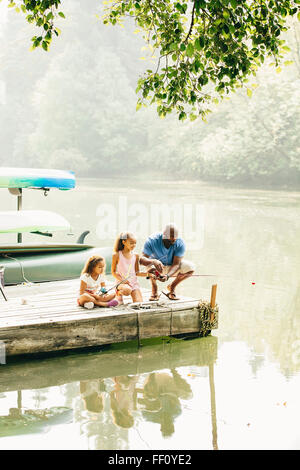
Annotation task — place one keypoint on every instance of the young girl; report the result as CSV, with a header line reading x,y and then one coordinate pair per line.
x,y
125,265
91,280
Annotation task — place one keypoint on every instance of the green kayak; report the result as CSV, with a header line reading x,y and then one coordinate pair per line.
x,y
49,264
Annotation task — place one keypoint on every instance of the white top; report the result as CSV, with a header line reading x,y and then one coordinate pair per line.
x,y
91,283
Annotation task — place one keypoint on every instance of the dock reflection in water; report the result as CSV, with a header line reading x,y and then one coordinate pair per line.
x,y
119,398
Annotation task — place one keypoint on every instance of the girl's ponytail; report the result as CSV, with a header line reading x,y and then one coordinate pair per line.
x,y
119,246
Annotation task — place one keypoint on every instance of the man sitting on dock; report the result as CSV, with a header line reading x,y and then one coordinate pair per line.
x,y
164,251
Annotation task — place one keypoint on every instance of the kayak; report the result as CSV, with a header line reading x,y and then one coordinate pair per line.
x,y
51,265
32,221
41,262
36,178
27,248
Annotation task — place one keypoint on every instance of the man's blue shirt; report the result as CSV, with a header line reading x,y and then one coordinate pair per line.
x,y
155,248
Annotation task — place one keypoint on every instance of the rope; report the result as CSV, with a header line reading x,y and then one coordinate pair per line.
x,y
22,269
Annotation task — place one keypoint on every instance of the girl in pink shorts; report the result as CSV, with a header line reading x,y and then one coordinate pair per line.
x,y
125,265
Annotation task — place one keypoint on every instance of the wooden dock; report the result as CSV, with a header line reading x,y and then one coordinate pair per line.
x,y
45,318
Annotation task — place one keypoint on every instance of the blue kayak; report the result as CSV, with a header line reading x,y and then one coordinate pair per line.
x,y
36,178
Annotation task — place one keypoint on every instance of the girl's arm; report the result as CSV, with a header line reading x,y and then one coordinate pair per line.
x,y
137,269
114,262
83,286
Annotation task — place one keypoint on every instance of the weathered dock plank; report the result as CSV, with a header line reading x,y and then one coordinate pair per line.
x,y
51,321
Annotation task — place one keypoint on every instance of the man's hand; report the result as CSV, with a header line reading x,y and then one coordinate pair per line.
x,y
163,278
150,276
158,265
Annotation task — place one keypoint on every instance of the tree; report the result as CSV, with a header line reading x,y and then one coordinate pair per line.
x,y
206,48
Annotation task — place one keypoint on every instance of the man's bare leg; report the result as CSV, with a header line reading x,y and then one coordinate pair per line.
x,y
178,279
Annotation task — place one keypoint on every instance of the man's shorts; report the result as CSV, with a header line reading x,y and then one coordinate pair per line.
x,y
184,267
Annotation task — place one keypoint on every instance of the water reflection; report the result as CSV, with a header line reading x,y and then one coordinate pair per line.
x,y
123,400
21,420
145,387
160,397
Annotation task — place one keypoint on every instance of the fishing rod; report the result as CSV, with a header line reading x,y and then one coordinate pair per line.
x,y
160,277
103,290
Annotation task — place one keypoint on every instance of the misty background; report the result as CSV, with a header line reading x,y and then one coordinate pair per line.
x,y
75,108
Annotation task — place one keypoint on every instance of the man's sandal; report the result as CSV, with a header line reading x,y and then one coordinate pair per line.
x,y
170,295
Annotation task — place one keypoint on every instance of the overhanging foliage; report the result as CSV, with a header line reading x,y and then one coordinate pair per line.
x,y
200,50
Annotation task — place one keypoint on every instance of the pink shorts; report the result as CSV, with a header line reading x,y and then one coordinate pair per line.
x,y
134,285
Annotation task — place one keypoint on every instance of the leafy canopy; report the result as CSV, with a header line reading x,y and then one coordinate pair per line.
x,y
200,50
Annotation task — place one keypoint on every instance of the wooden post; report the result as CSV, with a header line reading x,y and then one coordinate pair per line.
x,y
213,406
213,300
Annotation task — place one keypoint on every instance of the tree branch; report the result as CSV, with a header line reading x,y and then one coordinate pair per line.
x,y
192,23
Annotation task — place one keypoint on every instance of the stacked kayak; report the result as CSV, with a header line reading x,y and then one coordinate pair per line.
x,y
40,262
36,178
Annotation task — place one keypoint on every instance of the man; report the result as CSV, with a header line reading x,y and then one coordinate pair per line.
x,y
165,252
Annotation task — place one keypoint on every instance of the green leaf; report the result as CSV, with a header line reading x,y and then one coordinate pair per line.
x,y
197,44
173,46
61,14
249,92
190,50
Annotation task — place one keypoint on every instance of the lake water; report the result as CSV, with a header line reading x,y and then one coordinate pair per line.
x,y
236,389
